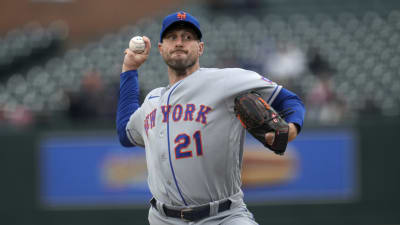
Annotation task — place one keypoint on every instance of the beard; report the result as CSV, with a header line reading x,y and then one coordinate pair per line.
x,y
180,64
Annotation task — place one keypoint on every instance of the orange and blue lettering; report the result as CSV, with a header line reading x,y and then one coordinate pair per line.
x,y
182,141
153,118
199,145
165,110
146,125
150,121
177,113
201,115
181,16
190,108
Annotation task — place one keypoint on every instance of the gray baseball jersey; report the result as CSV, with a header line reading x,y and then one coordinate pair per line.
x,y
193,140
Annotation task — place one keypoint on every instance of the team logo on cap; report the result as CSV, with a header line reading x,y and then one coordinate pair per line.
x,y
181,16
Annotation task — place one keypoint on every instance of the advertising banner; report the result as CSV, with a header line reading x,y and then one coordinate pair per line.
x,y
91,171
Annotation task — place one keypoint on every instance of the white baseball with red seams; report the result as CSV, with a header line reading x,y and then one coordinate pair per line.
x,y
137,45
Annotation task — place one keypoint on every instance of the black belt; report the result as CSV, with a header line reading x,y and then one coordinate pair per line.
x,y
192,214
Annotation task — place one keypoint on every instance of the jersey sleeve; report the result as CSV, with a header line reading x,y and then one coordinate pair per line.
x,y
237,81
289,100
134,127
128,105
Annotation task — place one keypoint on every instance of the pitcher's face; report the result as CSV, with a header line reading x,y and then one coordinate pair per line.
x,y
181,48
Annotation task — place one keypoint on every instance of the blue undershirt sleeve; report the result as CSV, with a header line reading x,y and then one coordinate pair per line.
x,y
287,99
128,103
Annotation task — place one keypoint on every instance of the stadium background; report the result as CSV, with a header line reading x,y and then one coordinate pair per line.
x,y
59,66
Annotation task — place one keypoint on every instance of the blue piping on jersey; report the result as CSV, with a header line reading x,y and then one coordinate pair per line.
x,y
169,148
270,97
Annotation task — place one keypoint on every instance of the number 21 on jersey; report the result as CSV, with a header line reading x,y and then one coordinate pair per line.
x,y
183,141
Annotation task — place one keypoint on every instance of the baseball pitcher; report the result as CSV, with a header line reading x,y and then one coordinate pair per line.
x,y
194,128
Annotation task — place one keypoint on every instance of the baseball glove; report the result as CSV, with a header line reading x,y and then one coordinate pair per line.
x,y
259,118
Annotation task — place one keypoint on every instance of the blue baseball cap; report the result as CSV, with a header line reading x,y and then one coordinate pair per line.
x,y
183,18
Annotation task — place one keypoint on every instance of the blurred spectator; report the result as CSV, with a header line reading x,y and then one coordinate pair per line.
x,y
285,64
17,116
322,102
318,65
323,105
92,101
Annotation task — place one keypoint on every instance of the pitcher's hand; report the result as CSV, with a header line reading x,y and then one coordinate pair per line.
x,y
132,60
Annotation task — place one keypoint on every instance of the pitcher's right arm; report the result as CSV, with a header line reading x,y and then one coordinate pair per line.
x,y
128,99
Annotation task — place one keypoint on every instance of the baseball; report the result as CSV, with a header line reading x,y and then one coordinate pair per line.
x,y
137,44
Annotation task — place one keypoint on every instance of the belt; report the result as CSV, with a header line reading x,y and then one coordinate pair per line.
x,y
193,213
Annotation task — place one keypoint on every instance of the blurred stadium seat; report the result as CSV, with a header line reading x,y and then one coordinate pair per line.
x,y
362,47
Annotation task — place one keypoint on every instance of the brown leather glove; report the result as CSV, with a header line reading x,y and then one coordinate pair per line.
x,y
259,118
